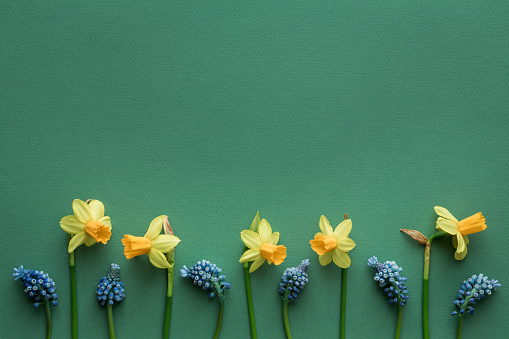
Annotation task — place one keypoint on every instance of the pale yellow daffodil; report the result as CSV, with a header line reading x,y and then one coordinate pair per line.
x,y
262,246
333,245
88,224
459,229
152,244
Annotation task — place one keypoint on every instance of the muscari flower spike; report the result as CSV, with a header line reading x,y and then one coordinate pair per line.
x,y
388,276
38,285
110,288
294,279
206,275
472,290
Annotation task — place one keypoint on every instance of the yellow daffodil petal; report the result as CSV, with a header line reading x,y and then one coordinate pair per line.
x,y
264,230
443,212
257,263
250,255
155,227
461,242
460,255
325,259
325,226
341,258
465,239
158,259
165,242
98,231
343,229
72,225
447,225
274,238
345,244
89,241
251,239
134,246
76,241
96,209
105,221
81,211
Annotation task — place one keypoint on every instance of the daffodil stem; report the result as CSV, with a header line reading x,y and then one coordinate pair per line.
x,y
398,325
48,318
285,315
221,309
342,324
249,298
169,294
74,298
425,280
110,320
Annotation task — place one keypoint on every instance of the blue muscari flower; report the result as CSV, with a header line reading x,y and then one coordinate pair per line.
x,y
38,285
110,288
388,276
294,279
472,290
206,275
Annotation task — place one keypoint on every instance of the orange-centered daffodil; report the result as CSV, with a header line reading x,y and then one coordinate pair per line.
x,y
262,246
459,229
333,245
88,224
152,244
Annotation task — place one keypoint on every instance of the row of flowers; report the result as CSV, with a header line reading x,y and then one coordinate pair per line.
x,y
88,225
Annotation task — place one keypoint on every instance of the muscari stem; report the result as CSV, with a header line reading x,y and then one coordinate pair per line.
x,y
344,272
460,326
74,299
285,315
249,298
425,279
110,320
221,309
398,325
169,294
48,318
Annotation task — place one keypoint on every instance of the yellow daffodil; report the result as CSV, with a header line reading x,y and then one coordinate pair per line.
x,y
88,224
262,246
152,244
331,245
459,229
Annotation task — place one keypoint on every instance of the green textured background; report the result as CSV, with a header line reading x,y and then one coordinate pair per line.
x,y
210,112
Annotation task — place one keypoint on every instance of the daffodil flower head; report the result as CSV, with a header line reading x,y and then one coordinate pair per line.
x,y
472,291
38,285
152,244
459,229
88,225
388,276
207,276
110,289
333,245
262,246
294,279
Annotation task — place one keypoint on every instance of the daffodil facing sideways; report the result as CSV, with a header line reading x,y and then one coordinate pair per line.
x,y
88,225
333,245
152,244
262,246
459,229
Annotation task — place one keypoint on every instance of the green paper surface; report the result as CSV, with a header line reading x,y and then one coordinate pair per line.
x,y
209,112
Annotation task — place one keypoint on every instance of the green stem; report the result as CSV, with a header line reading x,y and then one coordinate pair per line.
x,y
74,298
249,298
398,326
221,309
169,294
110,320
425,280
460,326
344,272
48,318
285,315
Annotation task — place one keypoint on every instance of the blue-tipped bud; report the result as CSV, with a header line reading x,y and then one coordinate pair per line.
x,y
293,280
394,286
110,289
207,276
37,285
474,289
